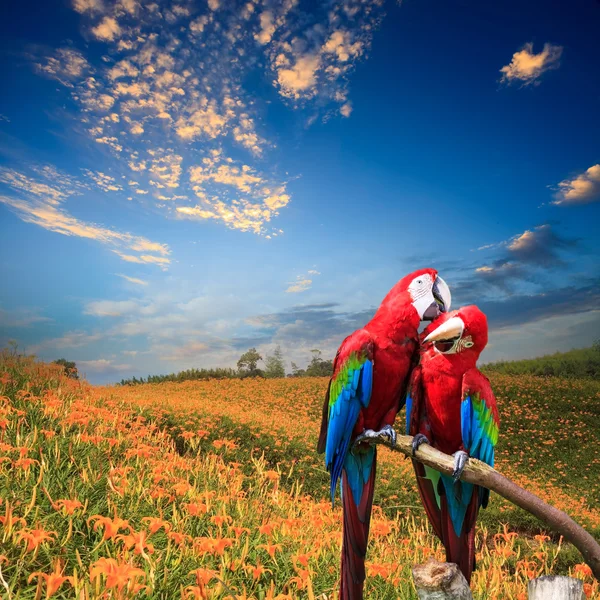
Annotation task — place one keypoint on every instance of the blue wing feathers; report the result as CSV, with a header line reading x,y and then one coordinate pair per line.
x,y
343,414
476,428
409,403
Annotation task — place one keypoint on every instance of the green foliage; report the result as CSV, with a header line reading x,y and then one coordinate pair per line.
x,y
274,365
317,367
247,365
69,366
583,362
188,375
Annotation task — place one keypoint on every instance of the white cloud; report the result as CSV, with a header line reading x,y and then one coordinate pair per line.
x,y
71,339
346,109
302,283
57,189
101,365
527,67
67,66
132,279
233,193
43,209
105,182
20,317
83,6
299,79
582,189
107,30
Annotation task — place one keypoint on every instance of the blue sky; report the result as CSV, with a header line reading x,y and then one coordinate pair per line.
x,y
181,180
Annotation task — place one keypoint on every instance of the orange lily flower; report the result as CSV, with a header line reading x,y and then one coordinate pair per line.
x,y
138,540
118,575
111,526
69,506
53,580
35,537
155,523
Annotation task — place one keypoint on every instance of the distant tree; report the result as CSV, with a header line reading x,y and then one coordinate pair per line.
x,y
319,367
69,367
248,362
297,372
274,365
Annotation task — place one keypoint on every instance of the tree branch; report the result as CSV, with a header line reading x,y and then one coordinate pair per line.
x,y
481,474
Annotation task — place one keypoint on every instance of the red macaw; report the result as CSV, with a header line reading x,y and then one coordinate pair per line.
x,y
370,375
451,406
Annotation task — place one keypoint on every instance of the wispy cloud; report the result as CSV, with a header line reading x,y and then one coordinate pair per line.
x,y
40,204
101,365
527,67
71,339
517,260
20,317
132,279
581,189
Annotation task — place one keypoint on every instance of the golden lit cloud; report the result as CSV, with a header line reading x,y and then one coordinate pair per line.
x,y
132,279
582,189
527,67
107,30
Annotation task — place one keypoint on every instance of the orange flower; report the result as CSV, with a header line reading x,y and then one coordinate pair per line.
x,y
196,508
35,537
383,571
53,580
239,530
118,575
266,528
302,559
582,569
203,576
257,571
111,526
271,548
138,540
380,528
69,506
154,524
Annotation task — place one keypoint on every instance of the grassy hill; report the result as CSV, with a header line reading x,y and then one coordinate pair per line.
x,y
583,362
208,489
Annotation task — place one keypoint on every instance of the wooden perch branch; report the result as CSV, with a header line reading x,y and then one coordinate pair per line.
x,y
481,474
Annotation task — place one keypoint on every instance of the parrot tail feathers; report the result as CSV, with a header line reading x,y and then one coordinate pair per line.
x,y
460,549
427,484
356,534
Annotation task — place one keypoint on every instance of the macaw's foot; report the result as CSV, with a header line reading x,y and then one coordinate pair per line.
x,y
417,441
387,434
460,461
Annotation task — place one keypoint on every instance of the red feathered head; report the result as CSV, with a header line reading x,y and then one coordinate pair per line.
x,y
425,290
461,331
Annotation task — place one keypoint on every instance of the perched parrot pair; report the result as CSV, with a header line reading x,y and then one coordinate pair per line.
x,y
372,372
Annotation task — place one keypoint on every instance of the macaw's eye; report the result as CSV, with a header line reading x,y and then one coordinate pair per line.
x,y
469,344
419,281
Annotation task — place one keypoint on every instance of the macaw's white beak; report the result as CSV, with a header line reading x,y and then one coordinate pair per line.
x,y
450,330
441,300
441,292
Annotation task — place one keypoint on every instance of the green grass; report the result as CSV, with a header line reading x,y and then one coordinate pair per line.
x,y
583,362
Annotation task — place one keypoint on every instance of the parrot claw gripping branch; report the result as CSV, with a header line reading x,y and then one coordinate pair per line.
x,y
450,409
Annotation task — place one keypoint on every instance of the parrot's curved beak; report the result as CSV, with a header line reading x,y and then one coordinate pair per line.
x,y
447,335
442,300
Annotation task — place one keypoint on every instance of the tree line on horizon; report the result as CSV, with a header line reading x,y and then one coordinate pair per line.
x,y
578,363
247,366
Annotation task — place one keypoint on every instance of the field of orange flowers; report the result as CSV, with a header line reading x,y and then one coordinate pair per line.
x,y
213,490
